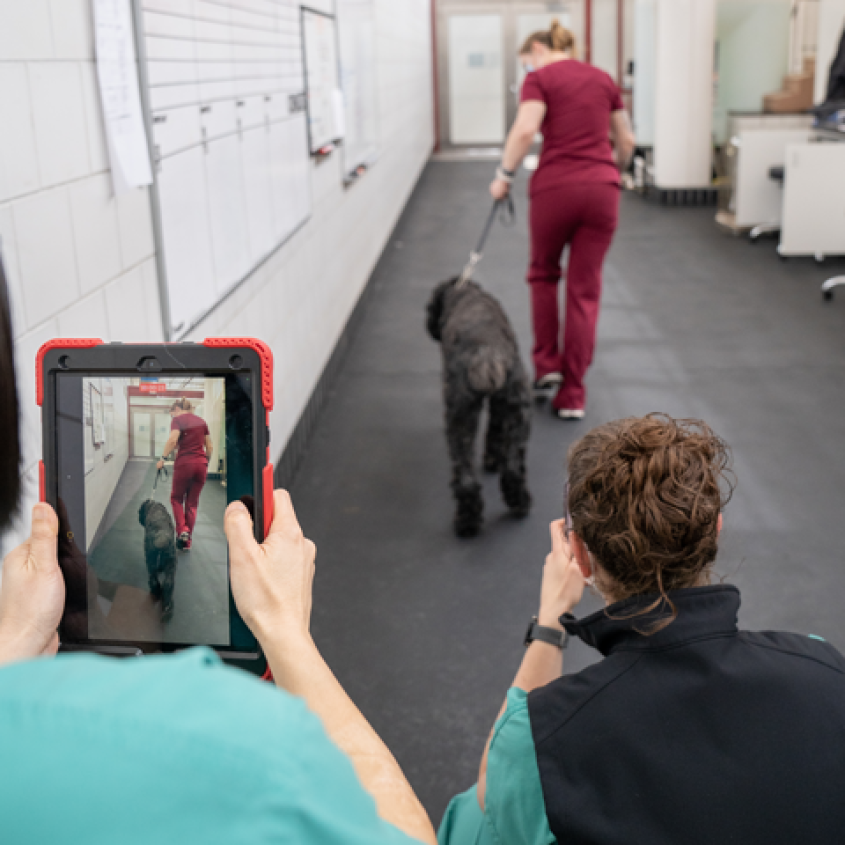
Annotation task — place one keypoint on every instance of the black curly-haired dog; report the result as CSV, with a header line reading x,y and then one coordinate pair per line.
x,y
481,361
160,552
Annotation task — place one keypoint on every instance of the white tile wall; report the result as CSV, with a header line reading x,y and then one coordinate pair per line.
x,y
26,31
85,318
72,25
58,112
83,263
95,231
126,308
46,253
136,228
98,155
18,159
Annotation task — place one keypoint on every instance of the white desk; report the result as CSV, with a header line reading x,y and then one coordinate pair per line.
x,y
814,198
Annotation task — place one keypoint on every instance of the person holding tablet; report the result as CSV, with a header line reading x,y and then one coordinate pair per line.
x,y
180,748
190,436
574,201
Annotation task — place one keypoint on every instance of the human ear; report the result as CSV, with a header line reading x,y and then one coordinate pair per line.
x,y
582,555
719,525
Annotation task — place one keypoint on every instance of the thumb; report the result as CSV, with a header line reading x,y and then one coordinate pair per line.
x,y
238,527
558,532
43,537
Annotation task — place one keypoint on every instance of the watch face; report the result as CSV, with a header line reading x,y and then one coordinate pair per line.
x,y
529,634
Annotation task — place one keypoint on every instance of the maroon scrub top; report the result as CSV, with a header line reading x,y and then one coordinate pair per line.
x,y
192,435
579,99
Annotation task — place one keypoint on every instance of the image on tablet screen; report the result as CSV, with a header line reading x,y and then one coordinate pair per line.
x,y
154,539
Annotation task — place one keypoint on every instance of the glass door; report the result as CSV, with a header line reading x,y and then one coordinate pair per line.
x,y
476,79
142,441
162,431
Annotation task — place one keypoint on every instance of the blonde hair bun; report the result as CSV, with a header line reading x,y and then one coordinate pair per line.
x,y
557,38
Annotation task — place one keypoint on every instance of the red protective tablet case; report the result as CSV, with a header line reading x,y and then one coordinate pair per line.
x,y
266,358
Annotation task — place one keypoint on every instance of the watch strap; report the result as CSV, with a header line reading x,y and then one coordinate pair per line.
x,y
552,636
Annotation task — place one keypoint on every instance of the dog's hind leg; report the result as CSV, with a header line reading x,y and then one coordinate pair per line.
x,y
151,557
495,445
463,408
168,576
510,411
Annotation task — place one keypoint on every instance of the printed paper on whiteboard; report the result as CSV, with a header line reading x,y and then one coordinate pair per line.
x,y
322,79
117,73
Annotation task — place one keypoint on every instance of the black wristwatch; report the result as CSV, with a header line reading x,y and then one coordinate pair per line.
x,y
552,636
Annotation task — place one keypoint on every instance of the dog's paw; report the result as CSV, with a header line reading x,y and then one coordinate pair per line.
x,y
522,510
516,495
467,528
469,514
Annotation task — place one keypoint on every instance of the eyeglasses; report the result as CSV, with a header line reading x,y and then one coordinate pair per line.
x,y
567,517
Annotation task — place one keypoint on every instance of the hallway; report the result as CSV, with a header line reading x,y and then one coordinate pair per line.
x,y
424,630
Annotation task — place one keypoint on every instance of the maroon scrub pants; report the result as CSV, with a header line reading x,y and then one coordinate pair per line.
x,y
188,481
585,217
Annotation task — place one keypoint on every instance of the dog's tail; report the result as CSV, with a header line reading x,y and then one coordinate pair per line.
x,y
488,370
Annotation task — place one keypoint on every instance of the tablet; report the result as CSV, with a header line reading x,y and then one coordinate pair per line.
x,y
144,446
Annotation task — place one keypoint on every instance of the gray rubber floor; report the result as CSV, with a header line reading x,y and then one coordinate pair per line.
x,y
425,630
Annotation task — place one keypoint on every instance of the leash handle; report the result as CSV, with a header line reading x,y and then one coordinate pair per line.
x,y
158,475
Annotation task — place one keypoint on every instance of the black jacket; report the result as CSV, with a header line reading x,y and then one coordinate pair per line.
x,y
698,734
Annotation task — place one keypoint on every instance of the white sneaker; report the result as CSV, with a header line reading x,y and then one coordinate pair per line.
x,y
570,413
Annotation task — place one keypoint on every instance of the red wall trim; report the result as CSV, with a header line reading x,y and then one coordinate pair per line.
x,y
620,43
435,76
588,31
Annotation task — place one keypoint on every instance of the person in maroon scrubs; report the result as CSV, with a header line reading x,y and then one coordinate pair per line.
x,y
189,434
587,139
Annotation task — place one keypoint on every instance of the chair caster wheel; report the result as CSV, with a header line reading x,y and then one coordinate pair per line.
x,y
827,295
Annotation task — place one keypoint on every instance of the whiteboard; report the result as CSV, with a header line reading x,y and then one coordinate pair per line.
x,y
322,80
224,87
356,28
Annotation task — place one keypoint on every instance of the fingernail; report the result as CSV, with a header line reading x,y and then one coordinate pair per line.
x,y
40,513
237,507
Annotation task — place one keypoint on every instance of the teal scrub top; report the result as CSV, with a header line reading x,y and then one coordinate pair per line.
x,y
514,809
170,749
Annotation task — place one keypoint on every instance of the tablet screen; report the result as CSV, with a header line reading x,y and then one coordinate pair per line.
x,y
152,535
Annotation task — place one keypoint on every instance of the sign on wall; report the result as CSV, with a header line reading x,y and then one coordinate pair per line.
x,y
322,80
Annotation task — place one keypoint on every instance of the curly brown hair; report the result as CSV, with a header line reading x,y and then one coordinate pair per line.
x,y
645,494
